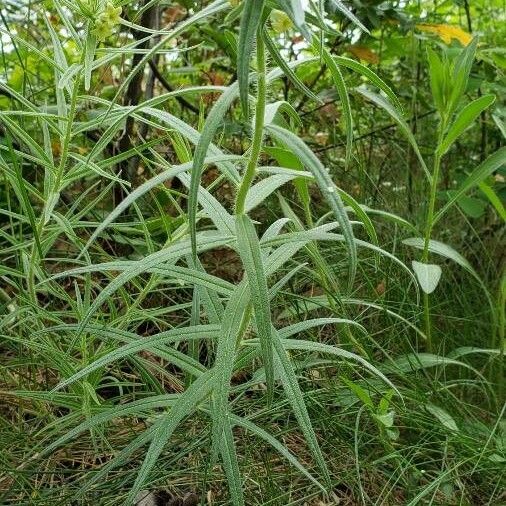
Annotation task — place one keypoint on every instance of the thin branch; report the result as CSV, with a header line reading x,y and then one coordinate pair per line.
x,y
374,132
169,87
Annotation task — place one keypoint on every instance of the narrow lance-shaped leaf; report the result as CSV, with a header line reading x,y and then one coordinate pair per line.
x,y
296,399
236,315
231,464
338,5
250,21
460,77
342,91
327,187
396,116
255,429
295,11
187,404
201,14
89,55
494,199
211,125
249,249
183,334
283,65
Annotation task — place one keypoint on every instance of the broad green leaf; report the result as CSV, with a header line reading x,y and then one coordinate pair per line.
x,y
438,80
465,118
428,275
442,249
442,416
360,392
472,207
386,419
480,173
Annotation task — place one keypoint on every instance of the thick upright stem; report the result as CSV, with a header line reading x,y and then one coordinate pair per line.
x,y
256,144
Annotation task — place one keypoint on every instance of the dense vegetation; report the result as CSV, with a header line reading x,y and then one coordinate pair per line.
x,y
252,252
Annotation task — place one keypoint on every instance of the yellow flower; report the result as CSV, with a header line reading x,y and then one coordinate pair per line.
x,y
280,21
102,30
106,21
112,14
447,33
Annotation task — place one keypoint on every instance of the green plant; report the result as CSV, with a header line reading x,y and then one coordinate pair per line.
x,y
135,309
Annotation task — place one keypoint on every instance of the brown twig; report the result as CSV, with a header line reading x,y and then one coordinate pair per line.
x,y
169,87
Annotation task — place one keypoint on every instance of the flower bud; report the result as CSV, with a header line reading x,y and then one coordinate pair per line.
x,y
280,21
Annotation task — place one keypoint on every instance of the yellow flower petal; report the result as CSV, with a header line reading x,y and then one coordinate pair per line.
x,y
447,33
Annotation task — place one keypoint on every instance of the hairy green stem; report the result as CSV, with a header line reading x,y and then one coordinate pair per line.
x,y
256,144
